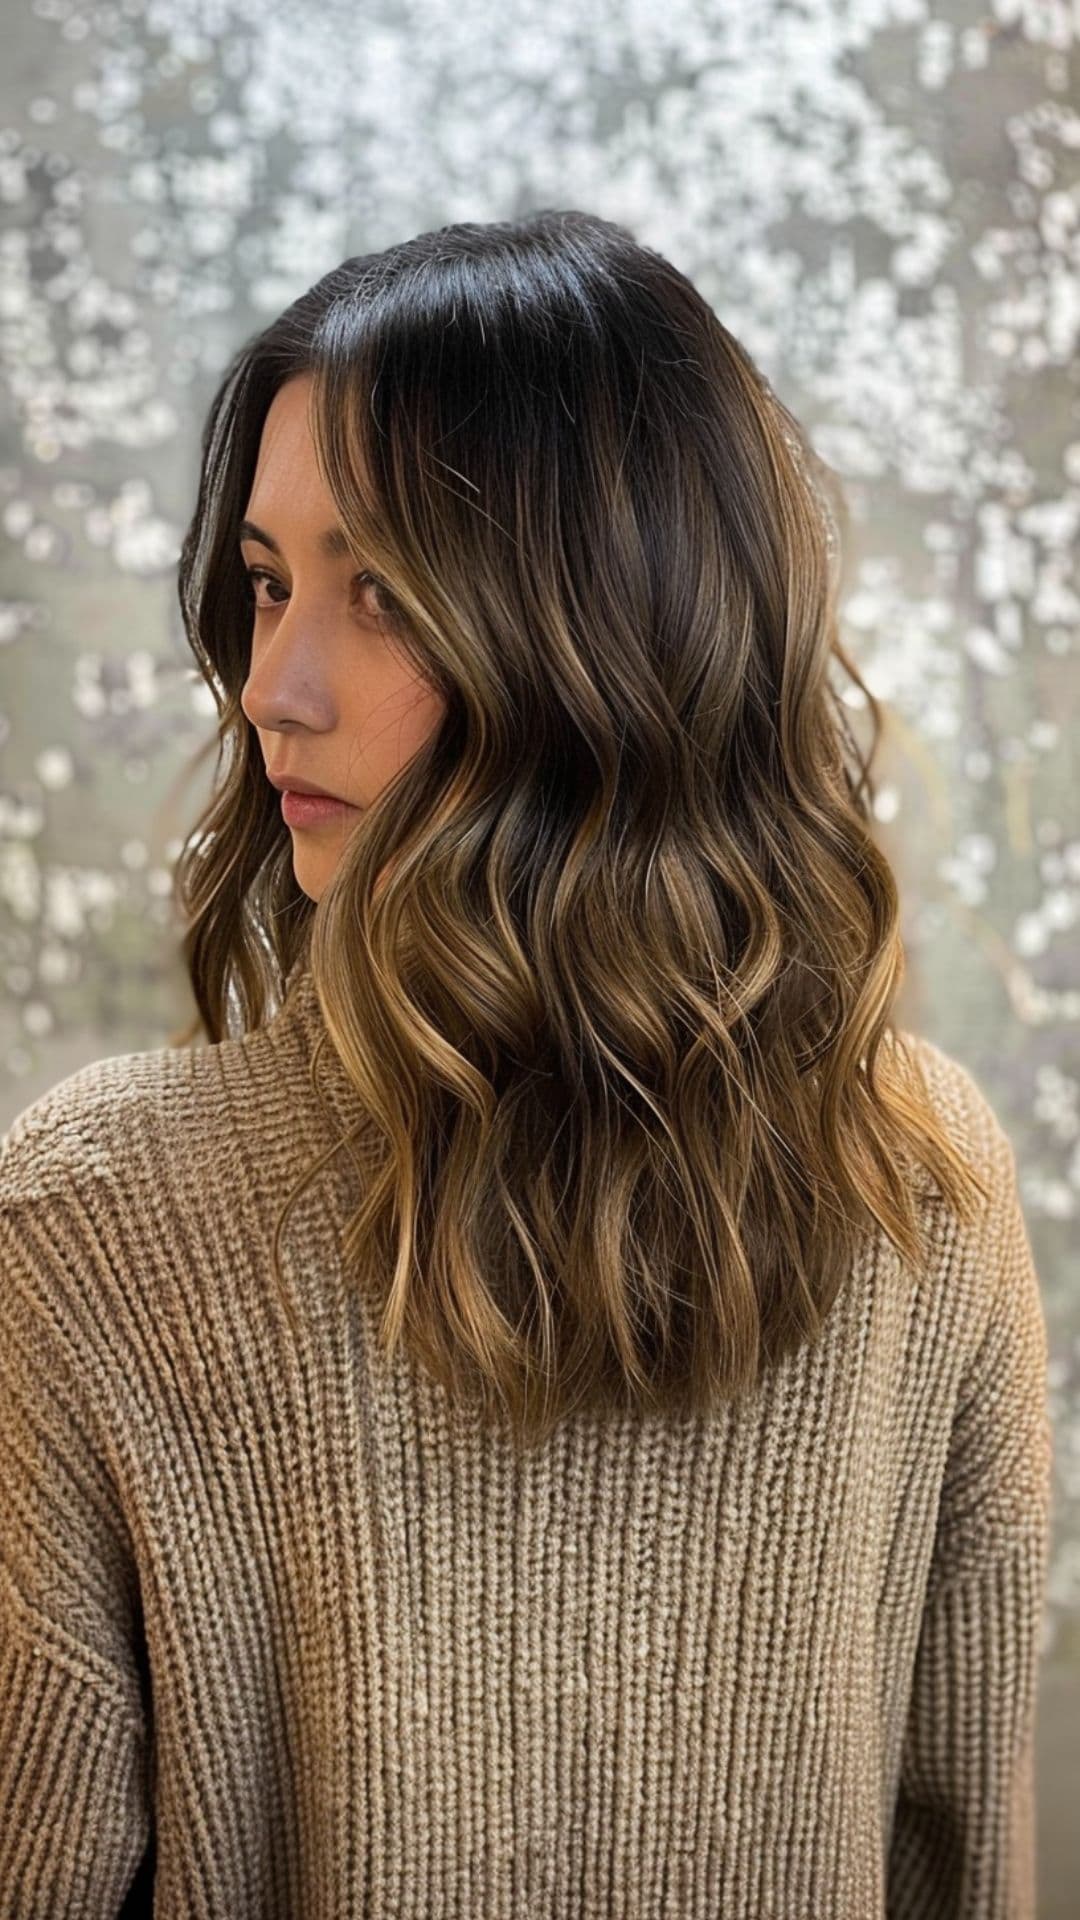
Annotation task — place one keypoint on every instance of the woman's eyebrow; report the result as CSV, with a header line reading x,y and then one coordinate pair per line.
x,y
334,542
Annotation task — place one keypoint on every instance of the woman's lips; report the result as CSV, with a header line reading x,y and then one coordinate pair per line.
x,y
313,809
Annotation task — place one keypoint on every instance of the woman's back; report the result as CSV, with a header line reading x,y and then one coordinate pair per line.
x,y
281,1612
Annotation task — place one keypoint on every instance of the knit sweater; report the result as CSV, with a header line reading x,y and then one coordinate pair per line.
x,y
282,1636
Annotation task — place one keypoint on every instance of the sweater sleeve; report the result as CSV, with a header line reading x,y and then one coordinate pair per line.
x,y
74,1784
963,1839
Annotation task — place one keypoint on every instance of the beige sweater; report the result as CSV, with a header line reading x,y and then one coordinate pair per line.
x,y
281,1637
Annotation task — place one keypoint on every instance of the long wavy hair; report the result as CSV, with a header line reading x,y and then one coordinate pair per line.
x,y
620,1018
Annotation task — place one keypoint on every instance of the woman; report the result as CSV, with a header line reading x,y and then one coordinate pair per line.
x,y
552,1418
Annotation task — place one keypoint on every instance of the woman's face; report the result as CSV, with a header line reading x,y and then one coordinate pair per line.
x,y
330,695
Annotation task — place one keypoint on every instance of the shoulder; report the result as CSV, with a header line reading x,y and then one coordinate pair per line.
x,y
129,1151
986,1261
102,1178
115,1123
962,1106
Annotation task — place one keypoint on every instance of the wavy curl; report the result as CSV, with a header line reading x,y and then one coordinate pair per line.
x,y
612,963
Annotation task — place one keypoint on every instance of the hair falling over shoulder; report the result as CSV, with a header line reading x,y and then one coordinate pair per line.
x,y
621,1016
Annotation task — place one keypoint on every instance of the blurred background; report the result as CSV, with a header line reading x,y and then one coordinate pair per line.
x,y
880,199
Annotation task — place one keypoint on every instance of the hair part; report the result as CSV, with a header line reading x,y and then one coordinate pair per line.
x,y
621,1017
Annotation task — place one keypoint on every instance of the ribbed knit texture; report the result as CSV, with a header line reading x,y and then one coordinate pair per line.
x,y
284,1634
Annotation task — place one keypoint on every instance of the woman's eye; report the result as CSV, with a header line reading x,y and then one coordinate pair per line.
x,y
256,573
382,597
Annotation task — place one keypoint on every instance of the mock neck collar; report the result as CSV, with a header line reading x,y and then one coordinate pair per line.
x,y
299,1021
